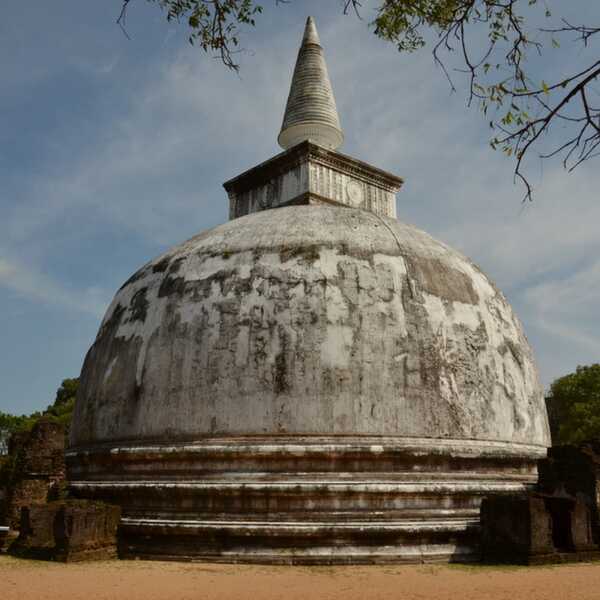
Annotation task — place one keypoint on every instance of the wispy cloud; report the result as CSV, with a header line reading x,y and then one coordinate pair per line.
x,y
152,167
166,129
37,286
568,306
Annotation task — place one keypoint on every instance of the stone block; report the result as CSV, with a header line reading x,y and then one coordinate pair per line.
x,y
67,531
311,174
515,528
574,471
581,526
537,528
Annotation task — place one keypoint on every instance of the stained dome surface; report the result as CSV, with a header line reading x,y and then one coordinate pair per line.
x,y
310,320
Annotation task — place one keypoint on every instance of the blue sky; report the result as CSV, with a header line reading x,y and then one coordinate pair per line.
x,y
112,150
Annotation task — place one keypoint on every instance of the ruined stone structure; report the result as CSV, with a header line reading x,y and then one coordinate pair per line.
x,y
37,468
313,381
574,472
68,531
536,528
559,522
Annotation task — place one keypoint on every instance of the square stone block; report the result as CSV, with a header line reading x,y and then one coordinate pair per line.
x,y
537,528
71,530
515,528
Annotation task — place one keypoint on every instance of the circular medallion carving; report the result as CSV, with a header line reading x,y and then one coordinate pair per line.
x,y
354,193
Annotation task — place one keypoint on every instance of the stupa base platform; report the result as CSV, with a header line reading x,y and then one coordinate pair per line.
x,y
304,499
307,542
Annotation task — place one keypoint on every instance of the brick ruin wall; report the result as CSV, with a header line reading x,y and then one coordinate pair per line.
x,y
34,469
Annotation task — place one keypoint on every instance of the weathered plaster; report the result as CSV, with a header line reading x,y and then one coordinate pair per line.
x,y
313,320
311,174
311,382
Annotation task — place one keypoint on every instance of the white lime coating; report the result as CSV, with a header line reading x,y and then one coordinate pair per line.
x,y
310,320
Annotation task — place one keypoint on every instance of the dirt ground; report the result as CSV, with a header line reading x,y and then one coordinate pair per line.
x,y
139,580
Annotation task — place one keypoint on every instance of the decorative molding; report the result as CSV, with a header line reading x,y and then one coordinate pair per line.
x,y
287,160
303,445
313,169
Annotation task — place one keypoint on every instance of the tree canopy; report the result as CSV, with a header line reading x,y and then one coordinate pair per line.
x,y
492,41
62,408
576,400
61,411
8,424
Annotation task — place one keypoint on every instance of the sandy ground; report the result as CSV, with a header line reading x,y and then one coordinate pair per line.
x,y
138,580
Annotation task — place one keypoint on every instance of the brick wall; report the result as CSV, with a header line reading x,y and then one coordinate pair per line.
x,y
35,468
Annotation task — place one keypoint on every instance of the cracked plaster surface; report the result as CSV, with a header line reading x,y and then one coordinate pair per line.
x,y
310,320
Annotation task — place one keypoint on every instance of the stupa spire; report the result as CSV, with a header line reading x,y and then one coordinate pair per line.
x,y
311,113
310,33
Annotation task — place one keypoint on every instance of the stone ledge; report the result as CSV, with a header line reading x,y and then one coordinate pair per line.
x,y
322,554
298,487
302,528
315,445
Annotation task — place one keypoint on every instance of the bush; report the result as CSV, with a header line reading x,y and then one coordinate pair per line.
x,y
576,400
61,411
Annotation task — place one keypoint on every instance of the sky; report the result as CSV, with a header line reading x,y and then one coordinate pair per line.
x,y
114,149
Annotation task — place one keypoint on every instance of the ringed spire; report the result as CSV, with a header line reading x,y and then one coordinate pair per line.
x,y
311,113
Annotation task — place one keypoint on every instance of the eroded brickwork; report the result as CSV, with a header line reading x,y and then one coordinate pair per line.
x,y
36,468
71,530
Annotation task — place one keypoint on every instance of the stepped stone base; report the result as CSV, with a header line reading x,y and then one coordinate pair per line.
x,y
291,543
302,500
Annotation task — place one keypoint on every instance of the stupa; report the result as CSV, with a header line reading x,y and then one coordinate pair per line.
x,y
311,382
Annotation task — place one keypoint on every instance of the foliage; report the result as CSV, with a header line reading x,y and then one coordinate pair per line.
x,y
577,399
214,24
521,107
11,423
10,468
60,411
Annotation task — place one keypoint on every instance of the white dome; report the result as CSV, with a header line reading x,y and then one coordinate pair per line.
x,y
312,383
310,320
